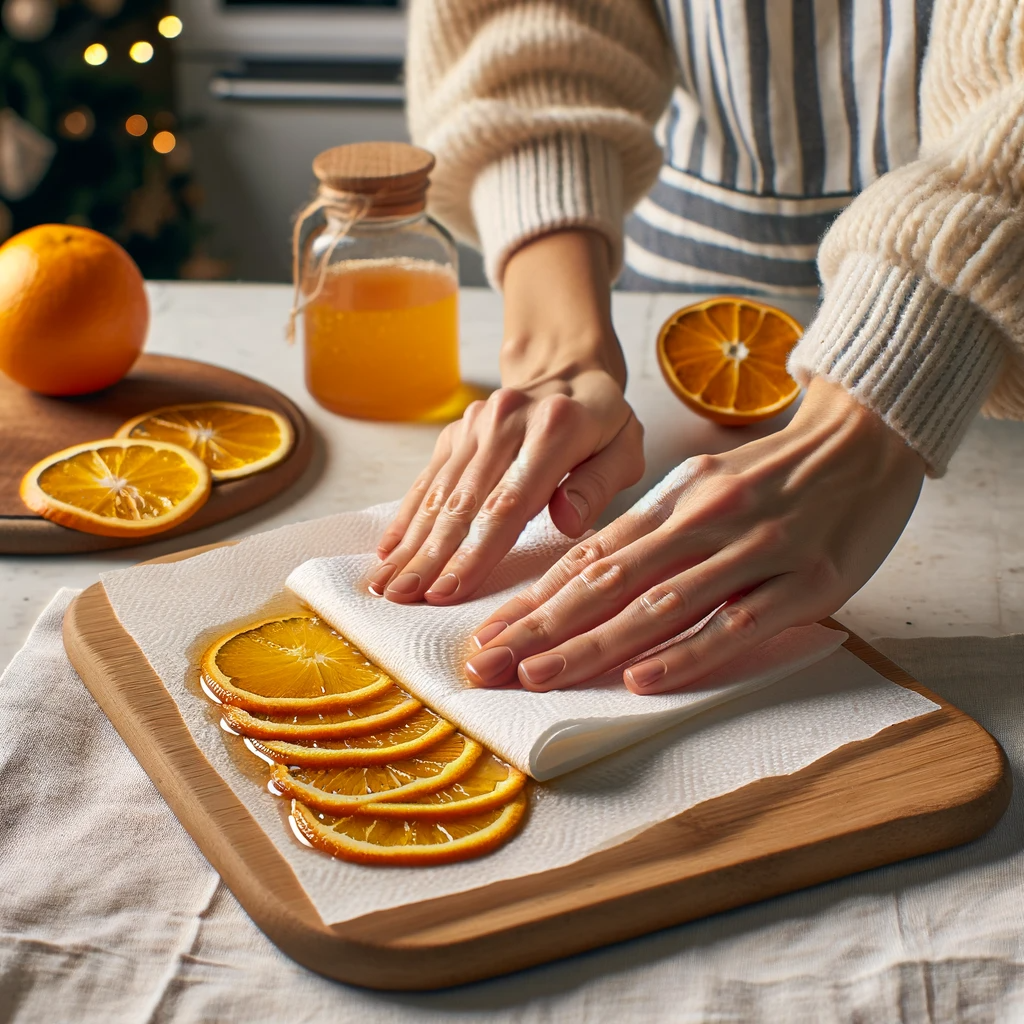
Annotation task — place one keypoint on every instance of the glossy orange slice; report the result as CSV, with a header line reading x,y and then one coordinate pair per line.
x,y
233,440
404,740
409,842
294,665
340,790
726,359
117,487
383,712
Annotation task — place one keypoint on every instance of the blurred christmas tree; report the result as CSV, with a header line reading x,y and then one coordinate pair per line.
x,y
87,129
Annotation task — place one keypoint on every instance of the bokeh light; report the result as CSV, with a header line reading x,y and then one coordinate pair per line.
x,y
136,125
77,124
141,52
95,54
164,142
169,27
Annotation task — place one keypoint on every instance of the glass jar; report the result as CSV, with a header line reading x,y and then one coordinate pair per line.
x,y
377,284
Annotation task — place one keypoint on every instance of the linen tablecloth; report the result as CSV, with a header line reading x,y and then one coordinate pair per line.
x,y
118,917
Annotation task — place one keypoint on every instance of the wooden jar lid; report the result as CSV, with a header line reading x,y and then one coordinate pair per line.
x,y
396,174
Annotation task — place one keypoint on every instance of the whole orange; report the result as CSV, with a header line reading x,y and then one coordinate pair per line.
x,y
73,310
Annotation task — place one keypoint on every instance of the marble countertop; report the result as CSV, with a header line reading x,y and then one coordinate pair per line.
x,y
957,570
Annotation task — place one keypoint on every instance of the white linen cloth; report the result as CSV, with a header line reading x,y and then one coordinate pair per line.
x,y
109,913
174,611
542,734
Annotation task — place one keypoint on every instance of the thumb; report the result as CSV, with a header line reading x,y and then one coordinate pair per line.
x,y
586,492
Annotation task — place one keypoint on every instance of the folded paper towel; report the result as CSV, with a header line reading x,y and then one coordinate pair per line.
x,y
543,734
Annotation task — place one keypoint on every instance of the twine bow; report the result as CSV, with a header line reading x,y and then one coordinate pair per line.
x,y
345,210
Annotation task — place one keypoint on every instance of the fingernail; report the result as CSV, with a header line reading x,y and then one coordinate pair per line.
x,y
579,503
387,545
379,580
541,669
487,667
647,673
445,586
407,583
489,632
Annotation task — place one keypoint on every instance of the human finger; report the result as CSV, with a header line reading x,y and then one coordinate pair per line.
x,y
589,488
500,437
741,625
557,438
665,610
625,530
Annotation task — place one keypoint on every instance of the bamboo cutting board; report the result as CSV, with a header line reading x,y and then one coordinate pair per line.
x,y
33,426
917,787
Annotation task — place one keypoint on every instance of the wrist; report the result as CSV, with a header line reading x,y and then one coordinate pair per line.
x,y
558,311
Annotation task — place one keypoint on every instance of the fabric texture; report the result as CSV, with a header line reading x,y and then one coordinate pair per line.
x,y
542,116
92,931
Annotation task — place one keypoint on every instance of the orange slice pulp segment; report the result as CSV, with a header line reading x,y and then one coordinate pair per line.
x,y
406,739
233,440
294,665
725,358
340,790
383,712
409,842
117,487
489,783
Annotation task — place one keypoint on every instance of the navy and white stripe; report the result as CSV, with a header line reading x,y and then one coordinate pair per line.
x,y
784,111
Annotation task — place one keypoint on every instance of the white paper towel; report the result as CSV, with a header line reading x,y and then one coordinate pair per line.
x,y
543,734
174,611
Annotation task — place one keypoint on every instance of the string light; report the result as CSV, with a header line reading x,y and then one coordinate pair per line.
x,y
164,142
141,52
95,54
169,27
136,125
77,123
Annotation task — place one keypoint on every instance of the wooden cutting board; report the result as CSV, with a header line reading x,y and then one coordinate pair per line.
x,y
33,426
917,787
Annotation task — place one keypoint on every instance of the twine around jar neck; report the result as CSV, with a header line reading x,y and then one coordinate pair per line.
x,y
346,209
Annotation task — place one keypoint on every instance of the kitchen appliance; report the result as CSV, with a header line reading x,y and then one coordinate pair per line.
x,y
262,88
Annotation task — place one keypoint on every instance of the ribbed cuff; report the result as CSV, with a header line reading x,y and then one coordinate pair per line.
x,y
920,357
561,181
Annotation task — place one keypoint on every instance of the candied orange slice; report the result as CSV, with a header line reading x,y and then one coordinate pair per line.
x,y
340,790
409,842
383,712
487,784
404,740
117,487
295,665
726,359
234,440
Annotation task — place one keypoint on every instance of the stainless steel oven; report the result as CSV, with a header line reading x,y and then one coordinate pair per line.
x,y
264,87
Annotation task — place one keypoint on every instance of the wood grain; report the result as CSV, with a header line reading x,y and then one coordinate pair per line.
x,y
915,788
33,426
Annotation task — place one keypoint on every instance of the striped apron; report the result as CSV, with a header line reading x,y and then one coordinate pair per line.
x,y
784,111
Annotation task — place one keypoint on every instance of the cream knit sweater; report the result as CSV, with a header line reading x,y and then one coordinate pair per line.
x,y
541,112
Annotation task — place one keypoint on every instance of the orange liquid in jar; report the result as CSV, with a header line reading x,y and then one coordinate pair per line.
x,y
382,339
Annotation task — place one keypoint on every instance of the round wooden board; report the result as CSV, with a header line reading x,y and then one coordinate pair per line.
x,y
32,426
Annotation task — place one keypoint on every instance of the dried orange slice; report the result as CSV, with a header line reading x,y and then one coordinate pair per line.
x,y
409,842
487,784
726,359
234,440
294,665
117,487
402,741
341,790
382,712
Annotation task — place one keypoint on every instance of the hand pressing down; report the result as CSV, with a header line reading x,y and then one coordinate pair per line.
x,y
777,533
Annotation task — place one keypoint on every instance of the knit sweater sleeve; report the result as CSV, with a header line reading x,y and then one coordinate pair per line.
x,y
540,114
923,312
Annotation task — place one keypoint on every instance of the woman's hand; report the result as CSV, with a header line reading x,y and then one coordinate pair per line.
x,y
779,532
558,433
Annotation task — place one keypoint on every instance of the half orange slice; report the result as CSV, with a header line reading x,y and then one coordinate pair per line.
x,y
726,359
